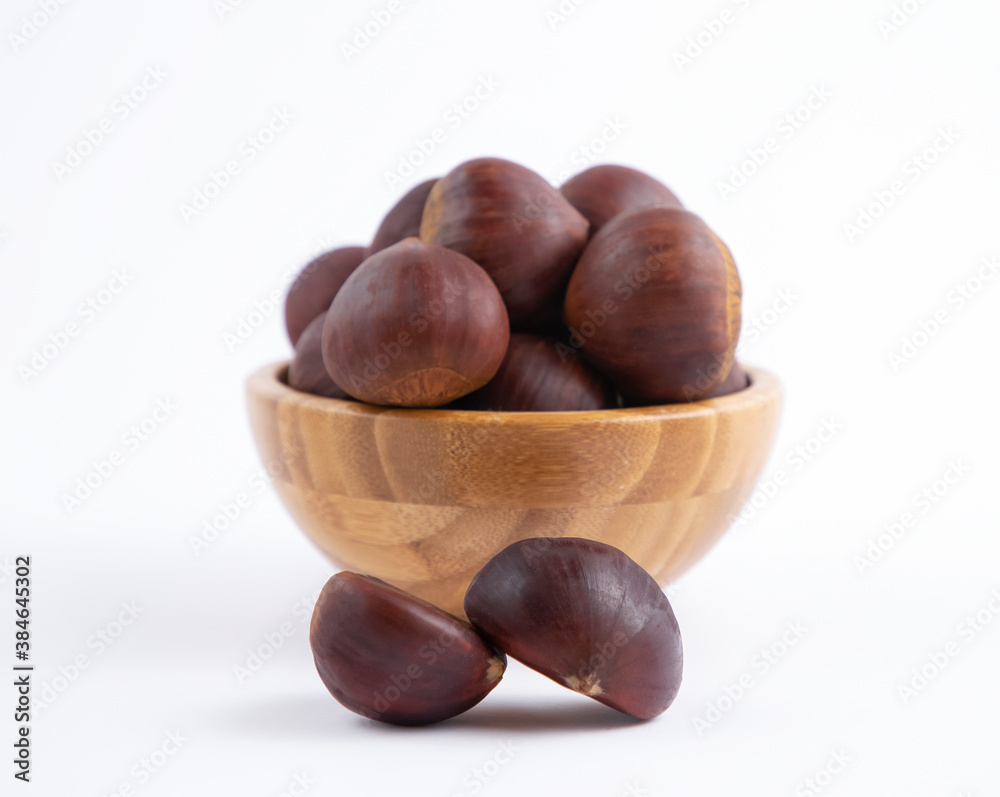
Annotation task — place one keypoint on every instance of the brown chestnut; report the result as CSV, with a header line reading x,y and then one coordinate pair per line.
x,y
602,192
390,656
415,326
306,371
587,616
538,375
655,304
403,221
312,291
516,226
735,382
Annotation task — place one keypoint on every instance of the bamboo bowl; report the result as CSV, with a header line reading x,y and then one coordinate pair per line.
x,y
424,498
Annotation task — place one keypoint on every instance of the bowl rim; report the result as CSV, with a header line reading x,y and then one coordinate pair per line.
x,y
269,381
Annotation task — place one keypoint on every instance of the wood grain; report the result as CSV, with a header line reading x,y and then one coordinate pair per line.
x,y
424,498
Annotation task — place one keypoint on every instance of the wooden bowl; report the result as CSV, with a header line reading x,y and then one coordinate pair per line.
x,y
424,498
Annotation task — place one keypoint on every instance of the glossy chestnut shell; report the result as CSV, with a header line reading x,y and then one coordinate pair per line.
x,y
516,226
415,326
312,291
306,371
390,656
602,192
541,374
585,615
403,221
655,304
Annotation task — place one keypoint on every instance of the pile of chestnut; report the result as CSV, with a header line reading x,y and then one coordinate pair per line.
x,y
488,289
578,611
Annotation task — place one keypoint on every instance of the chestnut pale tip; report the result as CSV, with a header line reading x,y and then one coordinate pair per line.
x,y
585,615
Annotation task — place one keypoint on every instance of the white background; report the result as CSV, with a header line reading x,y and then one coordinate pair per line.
x,y
607,69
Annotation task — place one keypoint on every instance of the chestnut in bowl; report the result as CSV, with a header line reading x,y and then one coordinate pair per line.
x,y
655,305
312,291
306,371
415,326
403,220
736,381
516,226
602,192
538,375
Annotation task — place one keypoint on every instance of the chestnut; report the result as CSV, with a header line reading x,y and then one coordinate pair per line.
x,y
655,304
516,226
390,656
585,615
403,221
602,192
306,371
315,286
415,326
537,375
735,382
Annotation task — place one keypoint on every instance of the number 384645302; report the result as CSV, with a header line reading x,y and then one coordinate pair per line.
x,y
22,591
